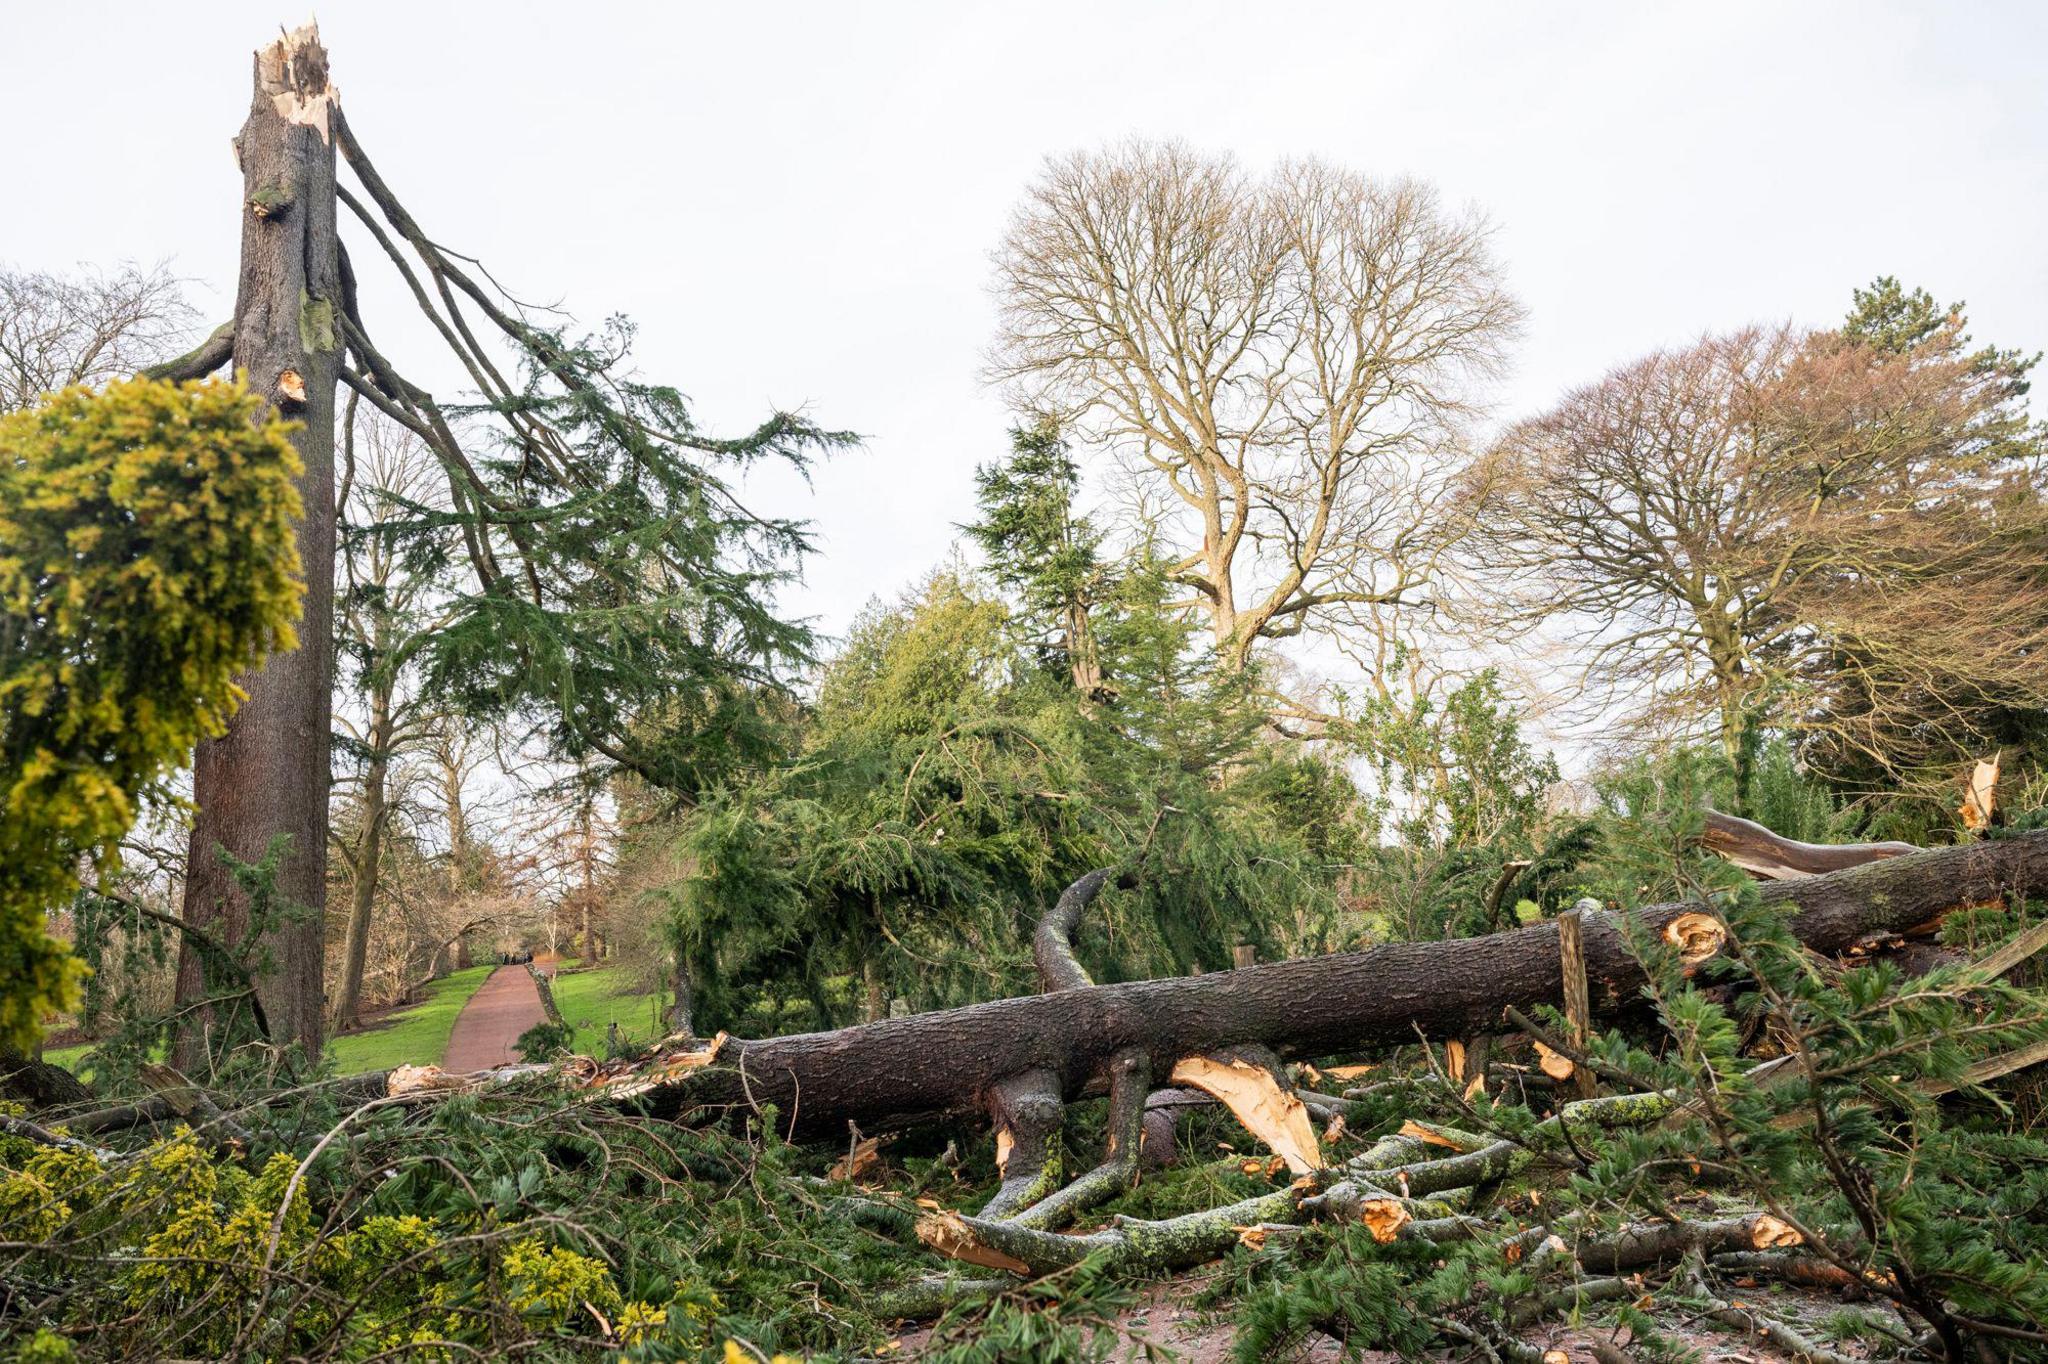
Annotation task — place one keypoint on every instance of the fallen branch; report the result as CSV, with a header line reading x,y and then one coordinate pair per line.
x,y
1768,857
1749,1320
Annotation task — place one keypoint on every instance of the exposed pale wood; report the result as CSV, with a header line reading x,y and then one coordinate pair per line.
x,y
1555,1064
1768,1233
1980,796
857,1163
2012,953
949,1235
1254,1097
1992,1068
627,1082
1384,1218
1698,936
1425,1133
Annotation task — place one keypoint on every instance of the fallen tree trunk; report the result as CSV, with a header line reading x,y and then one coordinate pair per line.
x,y
929,1065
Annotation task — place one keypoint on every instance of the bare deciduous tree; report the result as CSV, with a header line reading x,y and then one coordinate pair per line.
x,y
62,329
1723,526
387,610
1291,357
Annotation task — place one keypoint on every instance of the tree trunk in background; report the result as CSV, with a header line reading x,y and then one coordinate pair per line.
x,y
679,1020
458,819
268,775
1084,662
586,861
369,861
871,1000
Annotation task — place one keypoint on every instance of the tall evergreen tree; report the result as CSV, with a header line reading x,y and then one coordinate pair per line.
x,y
1039,548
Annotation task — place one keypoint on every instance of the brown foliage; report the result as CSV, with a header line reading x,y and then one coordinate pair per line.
x,y
1799,528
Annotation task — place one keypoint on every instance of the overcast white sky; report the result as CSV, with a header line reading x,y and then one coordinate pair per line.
x,y
796,202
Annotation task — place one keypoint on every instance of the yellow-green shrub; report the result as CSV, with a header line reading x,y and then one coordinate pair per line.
x,y
207,1259
147,555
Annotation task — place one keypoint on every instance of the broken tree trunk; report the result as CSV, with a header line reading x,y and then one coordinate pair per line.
x,y
1578,1009
948,1062
268,775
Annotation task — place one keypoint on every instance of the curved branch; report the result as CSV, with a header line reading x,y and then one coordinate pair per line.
x,y
209,355
1052,946
1768,857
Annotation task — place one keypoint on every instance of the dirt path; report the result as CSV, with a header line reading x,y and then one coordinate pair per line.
x,y
503,1007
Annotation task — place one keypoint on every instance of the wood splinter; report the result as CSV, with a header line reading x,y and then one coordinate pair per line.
x,y
1555,1064
1578,1006
1254,1095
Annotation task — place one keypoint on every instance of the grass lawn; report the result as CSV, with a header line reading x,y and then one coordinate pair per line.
x,y
417,1036
591,999
67,1057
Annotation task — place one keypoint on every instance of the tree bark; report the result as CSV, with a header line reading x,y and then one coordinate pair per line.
x,y
268,775
681,1022
38,1083
369,860
1578,1010
1768,857
544,987
928,1065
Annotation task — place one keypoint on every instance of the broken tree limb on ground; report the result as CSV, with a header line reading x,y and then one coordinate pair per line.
x,y
1768,857
947,1062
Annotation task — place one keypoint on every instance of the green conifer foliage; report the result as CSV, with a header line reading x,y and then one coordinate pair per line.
x,y
979,745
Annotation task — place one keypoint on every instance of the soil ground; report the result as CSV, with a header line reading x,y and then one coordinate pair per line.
x,y
1165,1319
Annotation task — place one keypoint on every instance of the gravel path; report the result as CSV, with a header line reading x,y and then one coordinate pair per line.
x,y
503,1007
